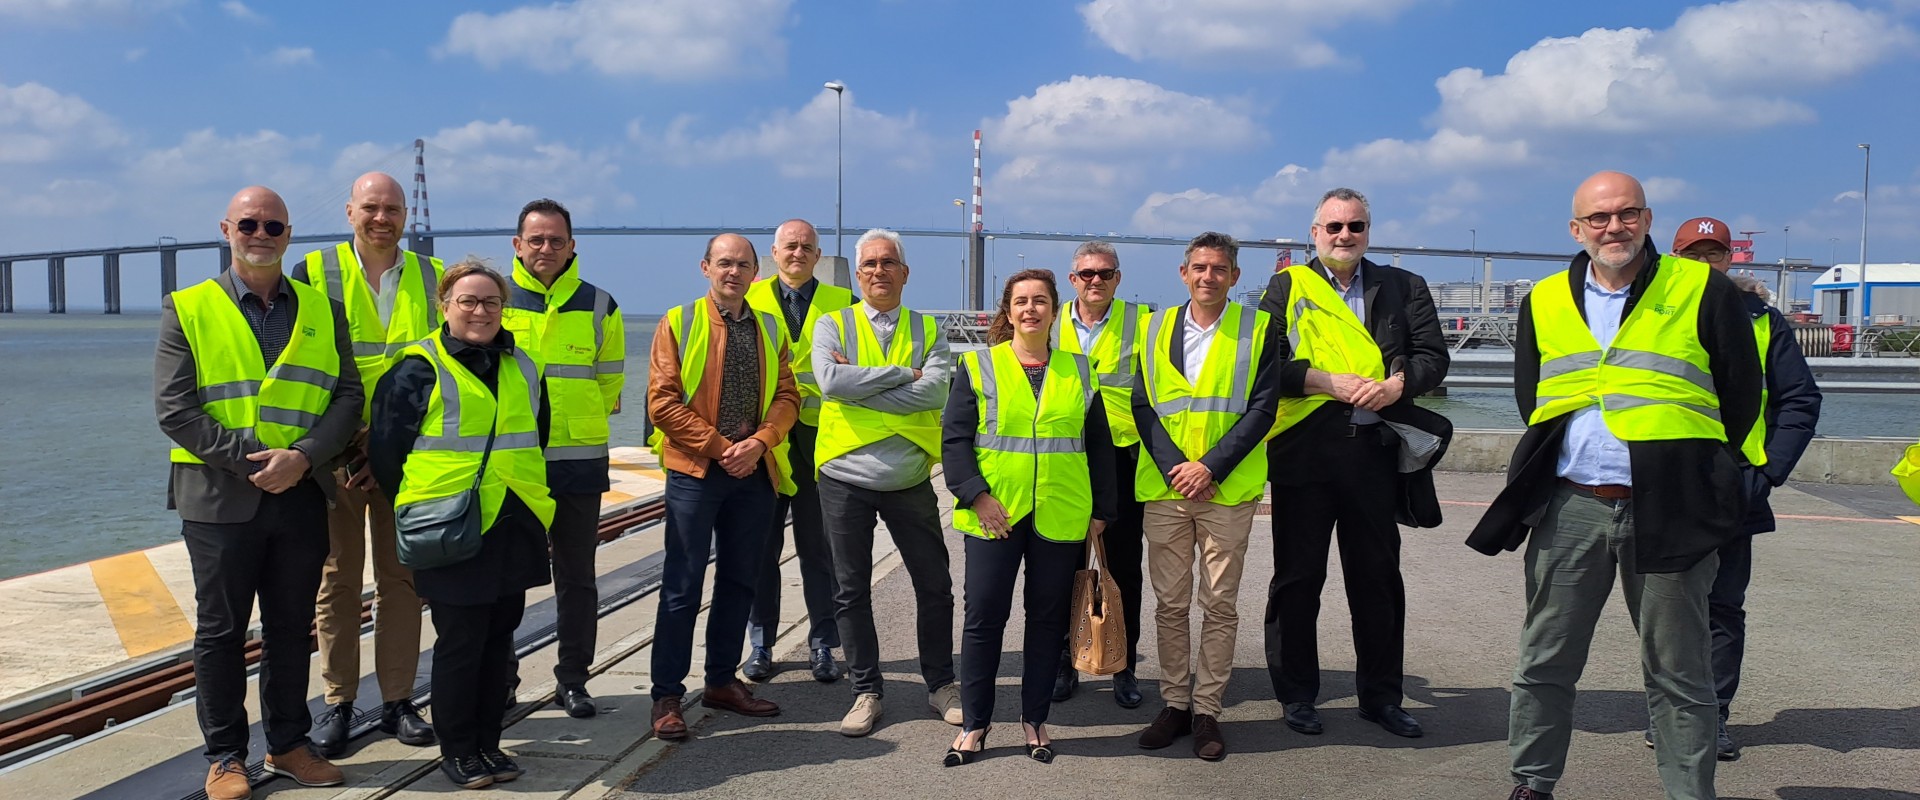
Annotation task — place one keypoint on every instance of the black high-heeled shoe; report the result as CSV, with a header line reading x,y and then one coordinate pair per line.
x,y
958,757
1042,753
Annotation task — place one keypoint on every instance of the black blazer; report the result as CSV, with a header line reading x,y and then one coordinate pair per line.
x,y
1688,494
1401,317
218,491
1240,439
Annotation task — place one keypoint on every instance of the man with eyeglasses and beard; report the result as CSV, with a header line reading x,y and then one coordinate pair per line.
x,y
1639,379
1351,458
1108,331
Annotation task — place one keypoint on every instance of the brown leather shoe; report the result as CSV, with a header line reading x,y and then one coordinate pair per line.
x,y
1208,744
667,722
305,767
1172,724
227,780
739,699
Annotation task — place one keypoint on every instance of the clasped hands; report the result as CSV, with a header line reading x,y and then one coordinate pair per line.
x,y
1371,395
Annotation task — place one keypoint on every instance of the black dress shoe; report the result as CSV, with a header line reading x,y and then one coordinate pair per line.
x,y
1525,793
1723,746
1067,680
824,670
401,719
1304,718
501,766
576,701
759,666
466,772
1394,720
1126,689
329,734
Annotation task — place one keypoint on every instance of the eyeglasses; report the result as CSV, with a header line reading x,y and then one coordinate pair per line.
x,y
1091,275
1356,226
468,302
728,264
1714,256
888,265
1600,220
543,242
247,226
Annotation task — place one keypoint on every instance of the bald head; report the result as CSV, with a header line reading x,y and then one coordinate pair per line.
x,y
730,266
1619,204
252,216
377,210
796,249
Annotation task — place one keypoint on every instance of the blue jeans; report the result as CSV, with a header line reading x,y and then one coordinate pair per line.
x,y
728,518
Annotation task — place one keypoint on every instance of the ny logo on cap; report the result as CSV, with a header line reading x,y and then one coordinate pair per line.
x,y
1706,227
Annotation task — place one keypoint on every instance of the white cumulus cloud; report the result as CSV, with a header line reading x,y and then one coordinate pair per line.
x,y
1108,114
240,11
662,39
81,12
1447,151
1191,211
39,125
798,142
1236,32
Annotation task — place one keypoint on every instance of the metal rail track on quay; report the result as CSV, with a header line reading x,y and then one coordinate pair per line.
x,y
144,692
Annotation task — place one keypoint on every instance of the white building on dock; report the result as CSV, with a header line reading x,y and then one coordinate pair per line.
x,y
1892,294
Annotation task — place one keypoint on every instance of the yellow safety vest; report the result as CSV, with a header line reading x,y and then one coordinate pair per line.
x,y
1653,383
336,272
1323,329
1031,448
694,345
1197,411
273,406
446,458
845,427
1907,472
572,330
1757,436
1115,361
765,298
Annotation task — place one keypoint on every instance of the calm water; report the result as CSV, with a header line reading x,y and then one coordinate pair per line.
x,y
83,467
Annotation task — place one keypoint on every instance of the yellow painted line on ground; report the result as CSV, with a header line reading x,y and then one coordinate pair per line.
x,y
615,496
1914,520
144,613
640,469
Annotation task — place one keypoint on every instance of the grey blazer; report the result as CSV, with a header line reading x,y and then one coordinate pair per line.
x,y
218,491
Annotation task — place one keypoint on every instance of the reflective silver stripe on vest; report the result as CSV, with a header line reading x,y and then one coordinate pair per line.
x,y
917,355
306,375
1570,363
1242,361
450,410
577,452
330,269
233,390
1039,445
288,416
1122,380
609,367
1130,320
1293,324
1663,364
430,294
478,444
369,349
849,335
531,373
990,389
806,379
687,313
570,371
601,302
1089,390
990,416
1618,402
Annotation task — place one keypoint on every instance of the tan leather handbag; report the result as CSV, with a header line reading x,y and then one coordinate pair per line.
x,y
1099,624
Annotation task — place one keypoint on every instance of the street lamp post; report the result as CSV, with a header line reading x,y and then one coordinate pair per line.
x,y
966,277
1833,246
1866,176
1473,240
839,164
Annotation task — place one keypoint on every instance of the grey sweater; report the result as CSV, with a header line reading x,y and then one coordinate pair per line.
x,y
893,463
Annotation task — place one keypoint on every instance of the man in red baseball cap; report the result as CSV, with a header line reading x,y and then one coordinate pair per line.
x,y
1791,409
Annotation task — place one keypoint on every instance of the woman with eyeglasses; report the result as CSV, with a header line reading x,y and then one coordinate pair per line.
x,y
460,412
1027,456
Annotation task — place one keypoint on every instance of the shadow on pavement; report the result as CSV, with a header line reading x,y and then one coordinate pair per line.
x,y
1841,730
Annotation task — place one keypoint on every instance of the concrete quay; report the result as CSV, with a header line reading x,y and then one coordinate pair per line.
x,y
1830,707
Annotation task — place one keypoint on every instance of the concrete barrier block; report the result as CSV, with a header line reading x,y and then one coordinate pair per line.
x,y
1847,461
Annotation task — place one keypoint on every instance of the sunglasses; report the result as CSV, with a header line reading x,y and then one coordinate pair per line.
x,y
1097,274
249,225
1357,226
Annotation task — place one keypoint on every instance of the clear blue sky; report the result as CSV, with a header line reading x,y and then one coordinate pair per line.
x,y
123,121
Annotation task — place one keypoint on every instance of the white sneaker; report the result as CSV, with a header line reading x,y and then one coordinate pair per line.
x,y
945,701
865,713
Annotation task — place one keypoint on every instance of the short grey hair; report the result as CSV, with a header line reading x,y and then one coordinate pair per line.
x,y
1217,241
1097,248
1342,193
877,235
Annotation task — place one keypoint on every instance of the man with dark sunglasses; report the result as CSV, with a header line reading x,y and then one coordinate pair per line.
x,y
255,383
1108,331
1358,342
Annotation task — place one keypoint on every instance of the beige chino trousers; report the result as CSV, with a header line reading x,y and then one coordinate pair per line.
x,y
1175,531
396,616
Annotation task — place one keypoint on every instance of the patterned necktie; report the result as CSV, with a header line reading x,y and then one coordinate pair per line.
x,y
796,313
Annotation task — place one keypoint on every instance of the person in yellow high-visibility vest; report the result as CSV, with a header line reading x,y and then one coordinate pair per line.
x,y
798,299
1790,411
254,382
721,394
1638,377
1358,342
1203,405
461,410
573,328
1029,460
389,293
884,371
1108,331
1906,472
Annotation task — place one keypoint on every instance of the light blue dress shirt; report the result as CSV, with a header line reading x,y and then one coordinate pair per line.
x,y
1592,454
1356,296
